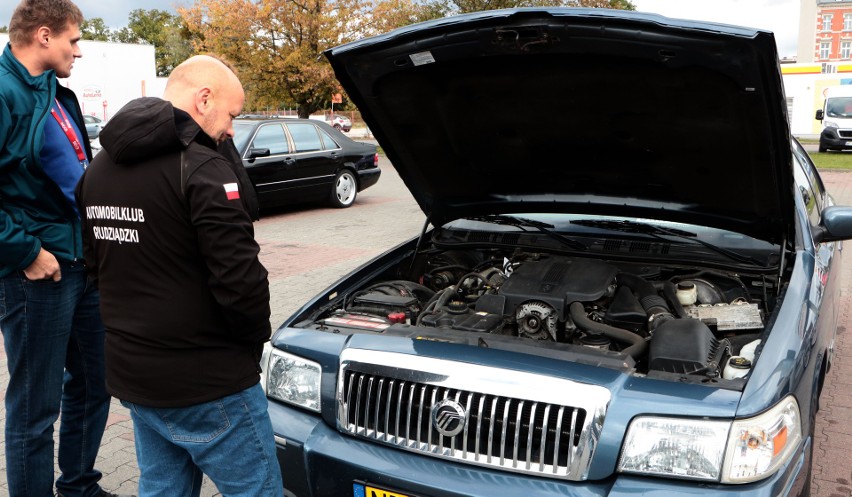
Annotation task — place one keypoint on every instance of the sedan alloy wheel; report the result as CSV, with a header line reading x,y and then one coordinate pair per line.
x,y
345,189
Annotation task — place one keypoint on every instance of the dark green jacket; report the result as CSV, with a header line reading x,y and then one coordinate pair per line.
x,y
33,211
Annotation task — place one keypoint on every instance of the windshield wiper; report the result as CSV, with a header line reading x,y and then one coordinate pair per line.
x,y
661,233
524,223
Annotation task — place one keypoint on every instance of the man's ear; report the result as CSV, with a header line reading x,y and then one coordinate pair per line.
x,y
203,100
42,36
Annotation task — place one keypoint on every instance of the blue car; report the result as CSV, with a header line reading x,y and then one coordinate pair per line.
x,y
638,301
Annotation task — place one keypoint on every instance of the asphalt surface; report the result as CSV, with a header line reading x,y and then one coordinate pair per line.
x,y
307,249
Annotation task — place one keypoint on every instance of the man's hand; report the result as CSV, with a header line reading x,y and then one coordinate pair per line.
x,y
44,267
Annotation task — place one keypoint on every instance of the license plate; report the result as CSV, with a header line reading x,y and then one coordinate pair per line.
x,y
367,490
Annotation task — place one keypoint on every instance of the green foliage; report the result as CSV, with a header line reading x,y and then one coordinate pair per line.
x,y
167,32
4,29
95,29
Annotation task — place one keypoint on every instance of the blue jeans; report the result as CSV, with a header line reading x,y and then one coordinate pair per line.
x,y
229,439
54,341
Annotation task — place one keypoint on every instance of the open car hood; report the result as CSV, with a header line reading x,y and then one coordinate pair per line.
x,y
584,111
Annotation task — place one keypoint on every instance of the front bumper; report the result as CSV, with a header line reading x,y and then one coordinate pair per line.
x,y
318,461
835,139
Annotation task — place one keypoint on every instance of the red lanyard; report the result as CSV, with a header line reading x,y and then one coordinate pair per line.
x,y
65,124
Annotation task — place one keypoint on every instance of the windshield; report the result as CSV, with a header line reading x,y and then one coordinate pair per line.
x,y
242,133
839,107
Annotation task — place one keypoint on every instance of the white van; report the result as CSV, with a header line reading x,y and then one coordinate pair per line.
x,y
836,117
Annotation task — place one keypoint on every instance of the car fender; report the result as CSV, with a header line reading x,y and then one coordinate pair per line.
x,y
349,166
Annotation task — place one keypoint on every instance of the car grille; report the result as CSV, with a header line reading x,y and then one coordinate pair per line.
x,y
382,398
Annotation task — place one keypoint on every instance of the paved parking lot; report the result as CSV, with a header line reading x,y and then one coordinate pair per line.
x,y
306,250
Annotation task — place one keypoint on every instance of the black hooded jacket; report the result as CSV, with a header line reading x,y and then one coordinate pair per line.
x,y
184,298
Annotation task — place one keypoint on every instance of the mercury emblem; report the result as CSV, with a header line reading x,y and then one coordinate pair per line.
x,y
448,417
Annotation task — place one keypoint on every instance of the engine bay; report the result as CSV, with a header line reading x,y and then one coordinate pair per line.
x,y
703,323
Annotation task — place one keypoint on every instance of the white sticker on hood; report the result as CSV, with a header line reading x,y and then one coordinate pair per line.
x,y
422,58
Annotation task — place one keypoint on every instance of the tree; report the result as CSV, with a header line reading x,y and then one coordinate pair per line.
x,y
392,14
95,29
4,29
162,29
278,44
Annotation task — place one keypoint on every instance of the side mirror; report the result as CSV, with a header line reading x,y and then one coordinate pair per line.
x,y
836,224
258,152
819,114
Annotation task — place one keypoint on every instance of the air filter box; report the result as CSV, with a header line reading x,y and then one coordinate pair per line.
x,y
686,346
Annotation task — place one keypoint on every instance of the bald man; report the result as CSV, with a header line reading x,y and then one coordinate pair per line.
x,y
185,301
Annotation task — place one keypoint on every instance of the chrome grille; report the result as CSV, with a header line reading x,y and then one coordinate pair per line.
x,y
388,401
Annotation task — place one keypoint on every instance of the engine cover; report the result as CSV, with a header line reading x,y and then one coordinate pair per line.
x,y
558,282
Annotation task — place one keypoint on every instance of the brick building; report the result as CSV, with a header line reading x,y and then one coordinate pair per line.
x,y
833,34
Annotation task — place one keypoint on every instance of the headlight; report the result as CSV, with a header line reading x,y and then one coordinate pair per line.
x,y
757,447
675,447
291,379
830,124
739,451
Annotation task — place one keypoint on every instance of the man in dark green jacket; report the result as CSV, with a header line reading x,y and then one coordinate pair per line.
x,y
49,315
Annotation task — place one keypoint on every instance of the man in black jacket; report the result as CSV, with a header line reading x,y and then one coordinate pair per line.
x,y
184,298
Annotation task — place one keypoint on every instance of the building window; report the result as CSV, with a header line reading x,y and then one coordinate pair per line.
x,y
846,50
825,50
826,22
847,22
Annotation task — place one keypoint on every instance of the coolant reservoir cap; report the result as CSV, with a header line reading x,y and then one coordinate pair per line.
x,y
686,293
739,362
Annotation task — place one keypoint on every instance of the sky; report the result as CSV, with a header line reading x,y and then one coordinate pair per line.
x,y
113,12
779,16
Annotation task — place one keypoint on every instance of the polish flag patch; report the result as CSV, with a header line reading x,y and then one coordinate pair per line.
x,y
232,191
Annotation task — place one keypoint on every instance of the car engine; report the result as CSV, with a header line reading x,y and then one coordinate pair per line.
x,y
668,319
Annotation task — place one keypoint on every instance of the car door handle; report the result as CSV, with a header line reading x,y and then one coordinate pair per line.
x,y
289,161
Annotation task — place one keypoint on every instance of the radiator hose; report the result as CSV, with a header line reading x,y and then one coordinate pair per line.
x,y
637,347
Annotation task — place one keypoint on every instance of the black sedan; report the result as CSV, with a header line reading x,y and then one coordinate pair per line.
x,y
301,160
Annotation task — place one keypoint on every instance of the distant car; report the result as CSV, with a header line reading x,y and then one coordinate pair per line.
x,y
341,122
300,160
94,125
